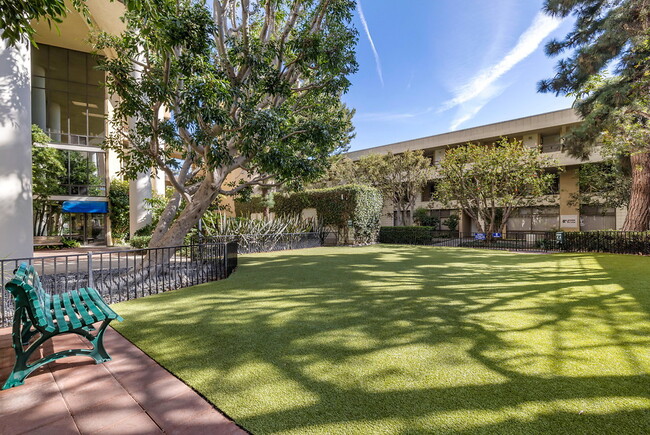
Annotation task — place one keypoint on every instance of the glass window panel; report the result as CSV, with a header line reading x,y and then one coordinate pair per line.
x,y
58,65
78,168
40,60
96,113
77,70
57,114
95,91
78,117
95,77
56,85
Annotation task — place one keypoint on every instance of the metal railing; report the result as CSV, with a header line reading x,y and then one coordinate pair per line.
x,y
616,242
125,275
253,243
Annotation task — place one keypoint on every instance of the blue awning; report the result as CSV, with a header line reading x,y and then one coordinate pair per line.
x,y
85,206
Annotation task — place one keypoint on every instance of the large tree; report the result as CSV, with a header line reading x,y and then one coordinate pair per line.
x,y
16,16
608,36
246,85
399,177
490,182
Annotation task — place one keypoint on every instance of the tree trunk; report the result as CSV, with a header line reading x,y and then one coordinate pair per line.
x,y
187,219
638,211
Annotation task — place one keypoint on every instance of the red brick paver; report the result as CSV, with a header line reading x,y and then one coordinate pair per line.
x,y
131,394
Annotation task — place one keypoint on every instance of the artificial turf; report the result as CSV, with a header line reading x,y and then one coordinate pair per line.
x,y
399,339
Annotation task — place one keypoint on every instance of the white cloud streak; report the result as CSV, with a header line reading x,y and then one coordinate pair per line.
x,y
476,88
364,23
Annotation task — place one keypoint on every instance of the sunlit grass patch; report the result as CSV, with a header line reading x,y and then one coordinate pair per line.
x,y
396,339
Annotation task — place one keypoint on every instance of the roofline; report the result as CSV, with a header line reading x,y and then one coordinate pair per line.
x,y
502,128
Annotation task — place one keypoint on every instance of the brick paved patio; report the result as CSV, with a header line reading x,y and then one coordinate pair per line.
x,y
131,394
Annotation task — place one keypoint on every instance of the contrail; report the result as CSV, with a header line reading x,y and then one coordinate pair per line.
x,y
372,44
528,42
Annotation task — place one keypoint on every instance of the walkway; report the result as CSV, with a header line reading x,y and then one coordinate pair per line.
x,y
131,394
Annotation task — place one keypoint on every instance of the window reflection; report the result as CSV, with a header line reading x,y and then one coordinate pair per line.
x,y
68,101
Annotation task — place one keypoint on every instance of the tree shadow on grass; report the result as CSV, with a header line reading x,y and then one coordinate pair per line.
x,y
415,339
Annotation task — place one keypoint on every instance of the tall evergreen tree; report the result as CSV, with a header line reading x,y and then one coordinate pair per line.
x,y
609,35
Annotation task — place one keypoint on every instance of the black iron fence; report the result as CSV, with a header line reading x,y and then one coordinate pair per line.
x,y
128,274
253,243
616,242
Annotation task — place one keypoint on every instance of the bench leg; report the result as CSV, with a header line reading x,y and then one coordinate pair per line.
x,y
99,351
21,367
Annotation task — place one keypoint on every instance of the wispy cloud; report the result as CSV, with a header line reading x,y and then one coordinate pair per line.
x,y
473,93
364,23
467,111
391,116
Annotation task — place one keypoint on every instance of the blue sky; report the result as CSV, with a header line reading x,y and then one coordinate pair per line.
x,y
442,65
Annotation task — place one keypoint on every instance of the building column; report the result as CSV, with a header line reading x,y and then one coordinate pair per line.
x,y
16,215
139,190
569,212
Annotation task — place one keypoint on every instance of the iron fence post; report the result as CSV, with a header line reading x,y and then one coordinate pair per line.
x,y
91,279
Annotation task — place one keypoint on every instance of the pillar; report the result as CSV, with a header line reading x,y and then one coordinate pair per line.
x,y
16,227
569,212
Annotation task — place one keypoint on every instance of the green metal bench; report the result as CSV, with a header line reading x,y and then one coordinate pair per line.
x,y
38,312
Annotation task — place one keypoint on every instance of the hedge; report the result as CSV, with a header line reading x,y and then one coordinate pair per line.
x,y
254,204
415,235
353,211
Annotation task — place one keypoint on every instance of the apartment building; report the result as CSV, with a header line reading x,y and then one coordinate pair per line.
x,y
56,86
557,210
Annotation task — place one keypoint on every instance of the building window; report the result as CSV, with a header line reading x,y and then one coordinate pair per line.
x,y
551,143
68,100
595,218
428,191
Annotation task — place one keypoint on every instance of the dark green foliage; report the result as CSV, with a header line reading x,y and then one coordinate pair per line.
x,y
253,204
620,242
343,208
422,216
140,242
604,184
119,208
70,243
252,86
606,33
604,30
412,235
452,222
292,204
17,15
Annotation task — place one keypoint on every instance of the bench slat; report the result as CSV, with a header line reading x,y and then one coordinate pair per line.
x,y
61,323
98,314
49,322
94,294
69,310
81,309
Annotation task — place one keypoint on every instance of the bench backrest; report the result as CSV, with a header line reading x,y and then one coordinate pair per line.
x,y
28,292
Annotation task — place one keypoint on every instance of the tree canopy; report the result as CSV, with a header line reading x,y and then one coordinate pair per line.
x,y
608,34
16,16
490,182
206,92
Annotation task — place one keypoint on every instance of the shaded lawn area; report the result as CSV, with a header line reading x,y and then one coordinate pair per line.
x,y
403,339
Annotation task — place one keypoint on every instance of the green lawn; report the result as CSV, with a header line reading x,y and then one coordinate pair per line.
x,y
397,339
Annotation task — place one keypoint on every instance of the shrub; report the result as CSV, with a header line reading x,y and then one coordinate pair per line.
x,y
423,217
70,243
292,204
452,222
412,235
118,197
254,204
353,211
140,242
